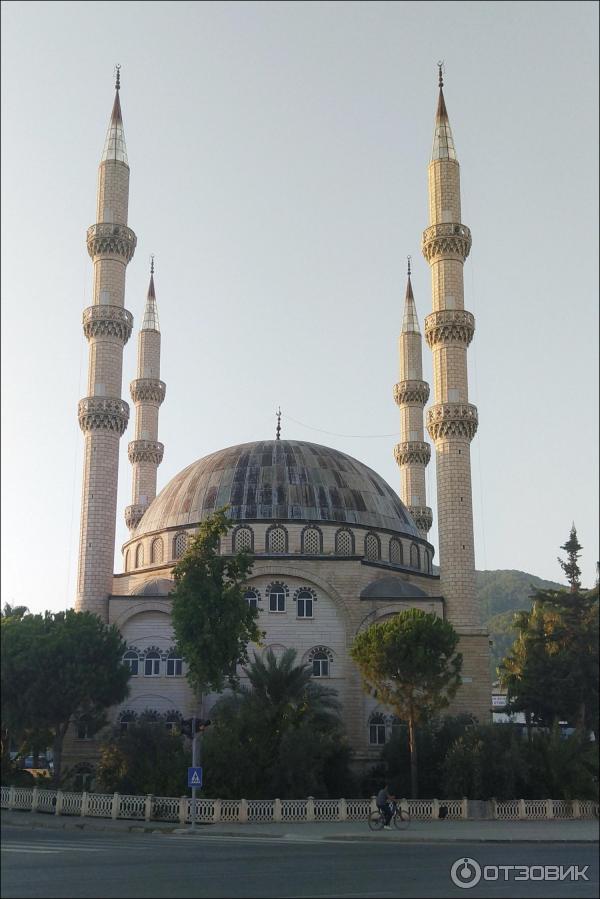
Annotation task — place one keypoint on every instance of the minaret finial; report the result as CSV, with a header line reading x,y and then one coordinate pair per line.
x,y
441,77
278,431
151,263
118,81
409,258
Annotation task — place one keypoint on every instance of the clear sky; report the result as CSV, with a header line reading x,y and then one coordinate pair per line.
x,y
278,156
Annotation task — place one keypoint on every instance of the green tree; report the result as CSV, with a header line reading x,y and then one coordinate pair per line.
x,y
487,761
212,621
409,662
57,667
14,611
145,758
551,671
281,737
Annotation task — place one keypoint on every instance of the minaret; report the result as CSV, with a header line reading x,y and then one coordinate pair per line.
x,y
411,393
147,392
103,415
452,420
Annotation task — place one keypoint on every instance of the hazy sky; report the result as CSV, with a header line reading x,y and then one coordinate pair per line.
x,y
278,156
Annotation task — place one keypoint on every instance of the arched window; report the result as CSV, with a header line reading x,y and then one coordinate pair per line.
x,y
344,543
311,541
252,597
152,664
127,561
320,658
414,556
277,593
125,719
242,540
377,730
427,561
304,604
396,554
139,555
372,547
131,659
174,665
172,720
156,550
277,540
179,545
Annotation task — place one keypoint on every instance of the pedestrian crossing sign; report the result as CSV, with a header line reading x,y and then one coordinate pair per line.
x,y
194,777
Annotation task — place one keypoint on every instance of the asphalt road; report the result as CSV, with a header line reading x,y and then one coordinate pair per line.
x,y
38,863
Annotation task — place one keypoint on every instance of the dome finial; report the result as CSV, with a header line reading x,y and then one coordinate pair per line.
x,y
118,76
151,263
278,431
409,258
440,76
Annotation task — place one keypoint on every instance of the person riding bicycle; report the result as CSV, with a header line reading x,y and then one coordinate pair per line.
x,y
386,802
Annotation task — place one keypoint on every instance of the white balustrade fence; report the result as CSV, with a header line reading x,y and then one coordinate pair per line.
x,y
253,811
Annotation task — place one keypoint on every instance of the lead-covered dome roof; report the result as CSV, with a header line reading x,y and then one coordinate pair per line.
x,y
283,480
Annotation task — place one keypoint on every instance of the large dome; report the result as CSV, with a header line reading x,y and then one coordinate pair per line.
x,y
283,480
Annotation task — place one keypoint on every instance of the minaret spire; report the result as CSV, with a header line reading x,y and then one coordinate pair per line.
x,y
103,415
443,141
147,392
411,393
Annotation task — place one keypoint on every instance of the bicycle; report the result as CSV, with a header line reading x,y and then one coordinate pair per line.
x,y
400,817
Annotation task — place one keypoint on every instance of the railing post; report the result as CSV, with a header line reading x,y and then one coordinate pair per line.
x,y
114,811
183,810
576,808
59,803
34,799
343,810
148,808
216,810
465,807
243,812
549,808
277,810
310,809
521,808
494,808
374,803
435,809
11,797
84,803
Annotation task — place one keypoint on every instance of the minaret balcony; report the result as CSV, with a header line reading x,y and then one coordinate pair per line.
x,y
422,517
145,451
108,239
447,420
107,321
446,240
414,392
133,515
148,390
412,452
103,413
449,326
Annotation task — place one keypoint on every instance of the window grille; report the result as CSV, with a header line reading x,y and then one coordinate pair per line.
x,y
179,545
414,556
344,543
156,550
311,541
396,555
242,540
277,540
139,555
371,546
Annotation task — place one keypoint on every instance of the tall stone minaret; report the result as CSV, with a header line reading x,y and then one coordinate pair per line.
x,y
147,392
103,415
411,393
452,420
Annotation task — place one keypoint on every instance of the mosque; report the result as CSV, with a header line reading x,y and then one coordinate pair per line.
x,y
335,547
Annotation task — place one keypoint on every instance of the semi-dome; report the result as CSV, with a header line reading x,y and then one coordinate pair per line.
x,y
283,480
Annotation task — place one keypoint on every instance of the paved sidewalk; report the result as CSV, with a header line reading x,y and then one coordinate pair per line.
x,y
558,831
